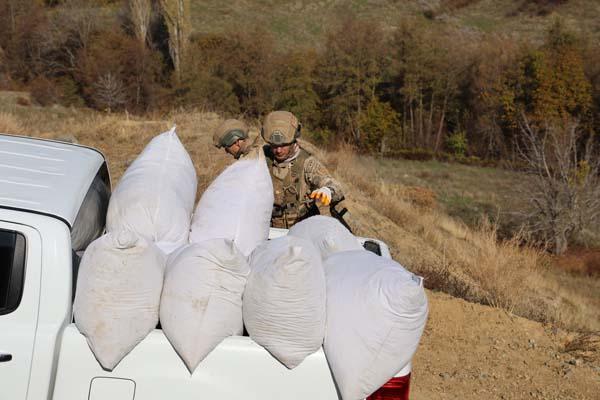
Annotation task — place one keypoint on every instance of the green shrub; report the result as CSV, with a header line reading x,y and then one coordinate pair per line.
x,y
322,136
377,122
457,143
69,89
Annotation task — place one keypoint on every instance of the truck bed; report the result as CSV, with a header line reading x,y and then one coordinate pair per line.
x,y
237,368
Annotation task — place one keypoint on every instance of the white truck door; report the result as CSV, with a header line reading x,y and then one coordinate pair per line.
x,y
20,269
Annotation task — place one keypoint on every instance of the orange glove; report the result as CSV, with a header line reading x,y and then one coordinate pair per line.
x,y
323,195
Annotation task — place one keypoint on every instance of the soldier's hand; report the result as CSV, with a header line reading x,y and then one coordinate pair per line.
x,y
322,194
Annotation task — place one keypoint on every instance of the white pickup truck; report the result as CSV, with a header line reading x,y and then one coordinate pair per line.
x,y
53,201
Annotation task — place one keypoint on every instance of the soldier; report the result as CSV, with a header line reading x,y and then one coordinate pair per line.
x,y
297,176
235,137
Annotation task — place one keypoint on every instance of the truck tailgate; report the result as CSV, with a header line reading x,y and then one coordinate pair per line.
x,y
237,368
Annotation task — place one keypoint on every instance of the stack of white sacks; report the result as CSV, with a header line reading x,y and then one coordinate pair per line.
x,y
121,273
201,302
208,274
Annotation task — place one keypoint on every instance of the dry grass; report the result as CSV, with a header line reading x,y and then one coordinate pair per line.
x,y
120,137
464,192
465,262
585,346
10,124
580,261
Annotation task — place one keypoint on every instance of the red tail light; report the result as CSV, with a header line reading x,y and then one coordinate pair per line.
x,y
395,389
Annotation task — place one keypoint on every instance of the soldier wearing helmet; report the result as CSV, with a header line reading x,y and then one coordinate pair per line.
x,y
234,136
297,176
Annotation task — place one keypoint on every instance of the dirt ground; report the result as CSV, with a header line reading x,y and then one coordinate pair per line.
x,y
469,351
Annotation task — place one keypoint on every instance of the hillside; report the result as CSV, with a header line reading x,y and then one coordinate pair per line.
x,y
391,77
305,22
468,351
467,262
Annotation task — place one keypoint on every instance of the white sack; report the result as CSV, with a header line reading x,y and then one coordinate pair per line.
x,y
284,301
118,294
155,197
376,313
201,302
327,234
236,206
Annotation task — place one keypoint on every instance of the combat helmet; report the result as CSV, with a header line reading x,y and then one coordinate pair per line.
x,y
280,128
229,132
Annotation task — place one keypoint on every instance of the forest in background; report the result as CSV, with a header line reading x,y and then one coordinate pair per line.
x,y
425,89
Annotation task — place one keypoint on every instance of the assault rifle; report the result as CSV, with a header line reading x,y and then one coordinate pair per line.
x,y
339,215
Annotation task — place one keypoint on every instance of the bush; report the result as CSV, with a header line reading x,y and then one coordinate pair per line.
x,y
416,154
322,136
376,123
69,92
116,72
63,90
44,92
23,101
294,72
242,63
457,143
209,92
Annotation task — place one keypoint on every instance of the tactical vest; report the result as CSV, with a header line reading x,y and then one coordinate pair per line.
x,y
290,190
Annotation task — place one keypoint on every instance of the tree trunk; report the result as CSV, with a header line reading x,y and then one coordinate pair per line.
x,y
404,123
560,243
358,113
438,137
421,140
412,125
141,11
429,130
176,16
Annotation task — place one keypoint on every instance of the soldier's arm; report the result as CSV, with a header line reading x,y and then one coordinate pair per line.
x,y
317,176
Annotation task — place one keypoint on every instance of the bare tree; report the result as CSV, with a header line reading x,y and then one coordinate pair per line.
x,y
177,18
109,92
140,12
68,32
563,188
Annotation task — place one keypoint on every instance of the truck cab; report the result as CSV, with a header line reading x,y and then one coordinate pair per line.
x,y
53,202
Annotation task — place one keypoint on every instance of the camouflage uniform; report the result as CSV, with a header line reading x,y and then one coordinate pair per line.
x,y
293,181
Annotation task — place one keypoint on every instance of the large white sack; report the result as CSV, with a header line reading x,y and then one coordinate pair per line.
x,y
201,302
376,313
236,206
118,294
284,301
155,196
327,234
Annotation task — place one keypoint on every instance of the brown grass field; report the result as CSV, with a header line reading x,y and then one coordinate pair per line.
x,y
469,351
